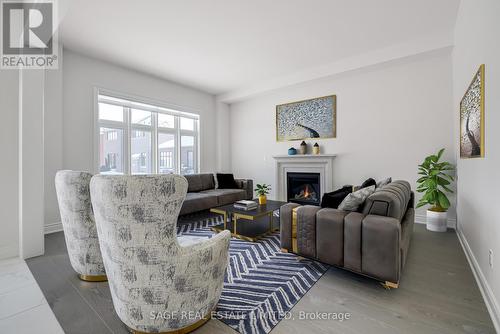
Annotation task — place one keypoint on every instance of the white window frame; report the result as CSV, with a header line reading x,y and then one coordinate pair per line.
x,y
155,107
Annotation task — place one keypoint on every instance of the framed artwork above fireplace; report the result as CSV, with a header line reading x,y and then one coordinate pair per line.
x,y
313,118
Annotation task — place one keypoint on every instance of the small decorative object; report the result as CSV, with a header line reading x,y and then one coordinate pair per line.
x,y
472,118
262,190
313,118
316,148
303,148
292,151
434,183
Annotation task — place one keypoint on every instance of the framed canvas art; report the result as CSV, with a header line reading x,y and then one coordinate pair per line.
x,y
313,118
472,118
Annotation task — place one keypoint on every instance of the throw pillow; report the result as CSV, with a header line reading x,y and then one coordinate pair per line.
x,y
368,183
333,199
384,182
226,181
355,199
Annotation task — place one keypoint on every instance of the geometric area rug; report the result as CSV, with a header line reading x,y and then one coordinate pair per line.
x,y
261,283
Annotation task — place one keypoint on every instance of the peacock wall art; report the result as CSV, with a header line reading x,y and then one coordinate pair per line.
x,y
312,118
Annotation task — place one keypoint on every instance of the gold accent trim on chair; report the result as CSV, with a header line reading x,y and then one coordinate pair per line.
x,y
93,278
184,330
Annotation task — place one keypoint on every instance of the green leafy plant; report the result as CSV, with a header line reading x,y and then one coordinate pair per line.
x,y
434,182
262,189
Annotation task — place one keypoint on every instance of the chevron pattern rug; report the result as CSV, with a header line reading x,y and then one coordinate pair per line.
x,y
262,284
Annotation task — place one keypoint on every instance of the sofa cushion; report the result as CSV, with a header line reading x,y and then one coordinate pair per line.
x,y
226,196
197,202
333,199
199,182
384,182
368,183
354,200
226,181
390,201
194,182
207,181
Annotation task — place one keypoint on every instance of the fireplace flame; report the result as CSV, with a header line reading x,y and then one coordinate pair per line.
x,y
307,194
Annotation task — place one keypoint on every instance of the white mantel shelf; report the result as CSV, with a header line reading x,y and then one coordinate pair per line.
x,y
304,163
295,156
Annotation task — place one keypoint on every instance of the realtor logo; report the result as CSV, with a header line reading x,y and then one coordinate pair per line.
x,y
28,39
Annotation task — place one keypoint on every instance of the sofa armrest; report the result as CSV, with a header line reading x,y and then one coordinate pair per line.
x,y
306,230
391,200
286,214
381,247
247,185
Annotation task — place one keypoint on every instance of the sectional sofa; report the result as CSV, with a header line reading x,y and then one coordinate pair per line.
x,y
203,193
372,241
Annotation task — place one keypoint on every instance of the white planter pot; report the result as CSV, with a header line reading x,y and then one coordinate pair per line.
x,y
437,221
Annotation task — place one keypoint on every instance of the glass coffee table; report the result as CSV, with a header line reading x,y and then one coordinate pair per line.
x,y
243,224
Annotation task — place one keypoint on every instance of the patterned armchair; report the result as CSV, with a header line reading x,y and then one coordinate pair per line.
x,y
77,218
156,284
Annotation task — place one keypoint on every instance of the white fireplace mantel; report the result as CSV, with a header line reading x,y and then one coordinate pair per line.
x,y
304,163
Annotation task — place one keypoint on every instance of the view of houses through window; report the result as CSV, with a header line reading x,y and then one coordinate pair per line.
x,y
138,138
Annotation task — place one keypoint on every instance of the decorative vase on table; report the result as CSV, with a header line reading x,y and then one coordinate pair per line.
x,y
262,190
303,148
292,151
316,148
434,183
262,199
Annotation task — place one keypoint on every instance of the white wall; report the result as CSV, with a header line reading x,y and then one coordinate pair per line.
x,y
70,110
9,168
389,118
53,143
81,74
21,170
31,163
476,43
223,137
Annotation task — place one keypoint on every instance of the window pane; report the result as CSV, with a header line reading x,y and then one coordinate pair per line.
x,y
110,112
187,123
141,117
141,153
166,121
110,151
166,153
188,163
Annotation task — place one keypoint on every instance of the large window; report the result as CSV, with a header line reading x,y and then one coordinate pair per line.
x,y
139,138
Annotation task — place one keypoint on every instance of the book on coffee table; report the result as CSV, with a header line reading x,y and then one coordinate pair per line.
x,y
245,205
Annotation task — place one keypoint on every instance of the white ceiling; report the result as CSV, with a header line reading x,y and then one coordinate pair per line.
x,y
223,45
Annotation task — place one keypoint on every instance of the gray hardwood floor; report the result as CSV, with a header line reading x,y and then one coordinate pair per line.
x,y
437,294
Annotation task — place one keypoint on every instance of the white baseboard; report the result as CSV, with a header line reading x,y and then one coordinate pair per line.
x,y
52,228
484,287
422,219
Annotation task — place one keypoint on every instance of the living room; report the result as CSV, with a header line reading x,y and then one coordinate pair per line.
x,y
364,134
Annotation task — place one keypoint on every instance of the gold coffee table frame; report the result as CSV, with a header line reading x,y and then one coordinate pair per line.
x,y
236,216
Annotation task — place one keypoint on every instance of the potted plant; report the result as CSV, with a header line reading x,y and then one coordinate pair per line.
x,y
434,182
262,190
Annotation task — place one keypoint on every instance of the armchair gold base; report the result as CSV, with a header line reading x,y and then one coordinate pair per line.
x,y
185,330
93,278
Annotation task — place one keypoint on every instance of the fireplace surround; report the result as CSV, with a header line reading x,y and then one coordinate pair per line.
x,y
321,164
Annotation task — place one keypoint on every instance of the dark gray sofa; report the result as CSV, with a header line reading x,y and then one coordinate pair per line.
x,y
373,242
202,193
